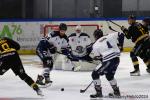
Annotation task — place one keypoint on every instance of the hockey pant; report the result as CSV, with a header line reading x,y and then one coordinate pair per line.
x,y
108,69
143,51
136,62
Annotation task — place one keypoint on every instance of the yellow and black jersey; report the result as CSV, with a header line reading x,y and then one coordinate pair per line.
x,y
136,32
8,45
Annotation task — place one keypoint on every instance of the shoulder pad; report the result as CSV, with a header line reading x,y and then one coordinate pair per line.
x,y
84,34
71,35
54,34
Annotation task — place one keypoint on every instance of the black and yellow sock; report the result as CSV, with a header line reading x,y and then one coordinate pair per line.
x,y
136,65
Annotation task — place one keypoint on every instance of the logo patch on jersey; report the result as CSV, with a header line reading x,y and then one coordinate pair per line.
x,y
79,49
72,40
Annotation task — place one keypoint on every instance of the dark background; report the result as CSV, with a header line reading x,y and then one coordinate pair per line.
x,y
73,8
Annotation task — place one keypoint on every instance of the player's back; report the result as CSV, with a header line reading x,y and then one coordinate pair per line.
x,y
8,45
140,30
107,46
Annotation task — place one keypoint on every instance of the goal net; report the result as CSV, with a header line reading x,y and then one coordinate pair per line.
x,y
87,28
61,62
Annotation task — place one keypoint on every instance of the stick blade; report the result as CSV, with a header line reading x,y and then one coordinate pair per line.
x,y
82,91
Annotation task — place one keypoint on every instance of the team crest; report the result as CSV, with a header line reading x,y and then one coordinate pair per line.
x,y
79,49
72,40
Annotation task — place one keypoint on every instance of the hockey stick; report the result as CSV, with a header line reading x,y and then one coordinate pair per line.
x,y
110,27
115,23
84,90
79,59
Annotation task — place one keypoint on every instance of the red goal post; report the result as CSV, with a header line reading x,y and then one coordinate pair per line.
x,y
87,28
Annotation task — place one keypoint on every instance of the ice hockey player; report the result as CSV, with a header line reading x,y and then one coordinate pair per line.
x,y
44,51
10,59
136,72
81,45
107,51
56,41
139,35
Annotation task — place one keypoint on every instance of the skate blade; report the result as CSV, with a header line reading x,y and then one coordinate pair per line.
x,y
45,86
135,74
41,95
98,98
111,95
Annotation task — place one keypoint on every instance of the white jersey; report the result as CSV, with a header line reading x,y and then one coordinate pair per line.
x,y
107,47
79,43
58,41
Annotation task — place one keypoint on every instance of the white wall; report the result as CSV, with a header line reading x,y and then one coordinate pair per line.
x,y
28,34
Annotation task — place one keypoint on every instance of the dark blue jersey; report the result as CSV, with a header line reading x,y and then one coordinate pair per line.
x,y
44,45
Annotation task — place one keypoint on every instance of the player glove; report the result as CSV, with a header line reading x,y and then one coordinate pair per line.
x,y
98,58
89,49
123,28
64,51
53,50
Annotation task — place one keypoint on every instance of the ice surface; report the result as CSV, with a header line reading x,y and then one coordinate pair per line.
x,y
12,88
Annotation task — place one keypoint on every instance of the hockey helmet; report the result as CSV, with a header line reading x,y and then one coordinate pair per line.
x,y
98,33
132,17
63,26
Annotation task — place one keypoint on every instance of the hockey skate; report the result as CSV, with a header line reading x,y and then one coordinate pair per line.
x,y
38,91
39,81
135,73
75,69
148,70
98,93
116,93
48,82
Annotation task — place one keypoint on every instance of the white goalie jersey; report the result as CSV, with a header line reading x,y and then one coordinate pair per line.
x,y
79,44
107,47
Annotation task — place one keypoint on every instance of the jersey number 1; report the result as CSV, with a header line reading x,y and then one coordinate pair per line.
x,y
109,45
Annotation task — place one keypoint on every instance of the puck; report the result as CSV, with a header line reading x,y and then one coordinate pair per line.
x,y
62,89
